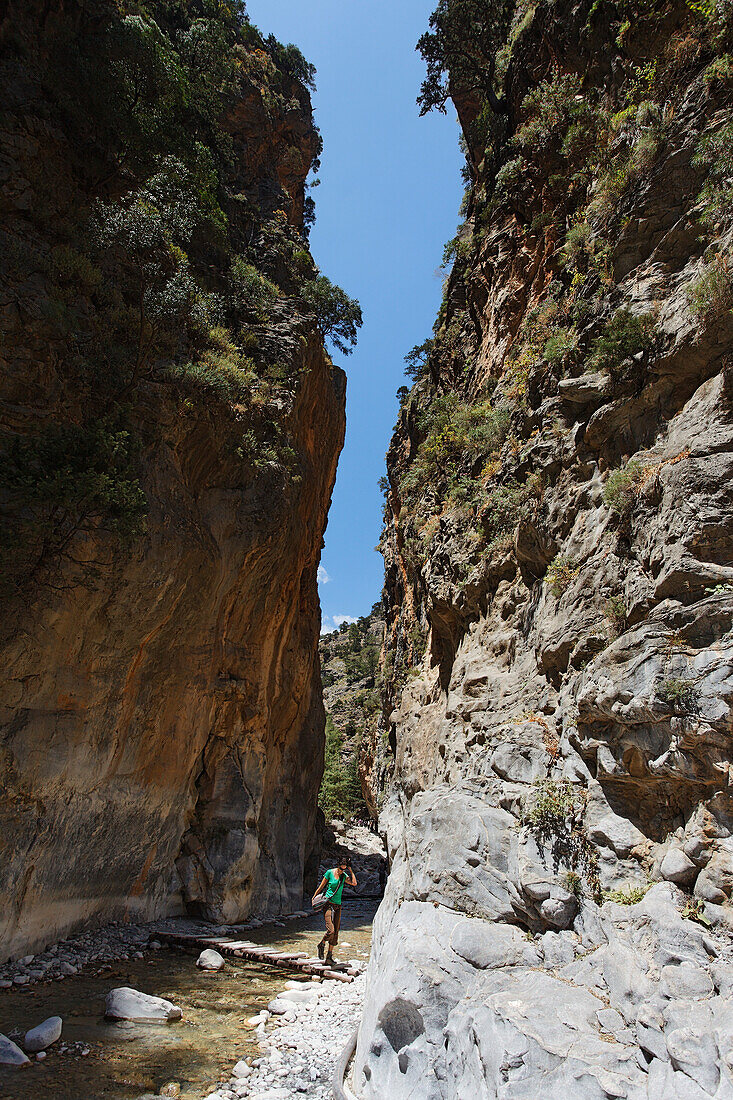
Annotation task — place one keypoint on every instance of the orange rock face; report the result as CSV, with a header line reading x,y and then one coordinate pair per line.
x,y
161,722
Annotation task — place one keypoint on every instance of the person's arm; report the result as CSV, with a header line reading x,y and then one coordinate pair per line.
x,y
351,880
321,887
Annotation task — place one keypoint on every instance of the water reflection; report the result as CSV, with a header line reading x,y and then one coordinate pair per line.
x,y
126,1060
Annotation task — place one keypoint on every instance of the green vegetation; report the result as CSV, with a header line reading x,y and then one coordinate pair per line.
x,y
351,690
160,270
338,315
680,693
340,793
59,488
694,909
561,572
624,336
554,816
622,488
452,432
710,296
715,155
616,614
460,50
627,895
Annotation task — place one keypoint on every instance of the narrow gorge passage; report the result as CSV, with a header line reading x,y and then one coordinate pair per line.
x,y
524,745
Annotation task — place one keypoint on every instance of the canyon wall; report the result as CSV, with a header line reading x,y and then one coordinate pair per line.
x,y
559,579
171,425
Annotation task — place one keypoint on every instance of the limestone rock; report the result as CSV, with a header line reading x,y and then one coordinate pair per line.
x,y
559,824
10,1054
43,1035
125,1003
210,960
677,867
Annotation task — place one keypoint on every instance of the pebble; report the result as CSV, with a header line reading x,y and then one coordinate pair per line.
x,y
303,1044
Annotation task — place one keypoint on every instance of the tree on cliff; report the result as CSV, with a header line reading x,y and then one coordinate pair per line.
x,y
460,51
338,315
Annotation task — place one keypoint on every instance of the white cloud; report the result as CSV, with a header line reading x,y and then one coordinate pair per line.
x,y
339,619
326,625
322,575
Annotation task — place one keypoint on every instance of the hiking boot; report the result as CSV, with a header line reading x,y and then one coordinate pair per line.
x,y
320,950
330,961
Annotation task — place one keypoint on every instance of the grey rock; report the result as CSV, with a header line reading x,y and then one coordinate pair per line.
x,y
686,981
10,1054
43,1035
677,867
125,1003
210,960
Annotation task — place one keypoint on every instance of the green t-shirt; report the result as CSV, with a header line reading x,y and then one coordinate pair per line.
x,y
334,886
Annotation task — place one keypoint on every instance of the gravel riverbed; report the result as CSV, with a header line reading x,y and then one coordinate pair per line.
x,y
299,1048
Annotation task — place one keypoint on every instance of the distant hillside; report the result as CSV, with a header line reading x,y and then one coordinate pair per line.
x,y
351,695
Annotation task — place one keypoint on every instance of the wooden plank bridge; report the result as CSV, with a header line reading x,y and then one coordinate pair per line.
x,y
259,953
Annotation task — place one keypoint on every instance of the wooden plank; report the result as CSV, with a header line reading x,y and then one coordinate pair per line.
x,y
246,950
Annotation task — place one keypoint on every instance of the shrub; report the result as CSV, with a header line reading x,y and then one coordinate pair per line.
x,y
621,489
338,316
559,346
554,814
715,154
560,574
509,175
251,291
626,334
549,108
710,296
454,430
680,693
577,246
504,507
220,370
64,484
627,895
616,614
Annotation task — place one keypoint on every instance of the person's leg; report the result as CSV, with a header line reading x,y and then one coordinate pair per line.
x,y
328,914
334,938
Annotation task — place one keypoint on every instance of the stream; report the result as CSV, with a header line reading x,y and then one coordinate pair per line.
x,y
127,1061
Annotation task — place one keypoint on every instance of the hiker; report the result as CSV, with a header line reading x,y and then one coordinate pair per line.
x,y
332,884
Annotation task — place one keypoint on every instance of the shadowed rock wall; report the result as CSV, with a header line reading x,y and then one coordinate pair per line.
x,y
161,738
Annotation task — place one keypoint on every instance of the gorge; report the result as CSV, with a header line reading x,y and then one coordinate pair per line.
x,y
538,713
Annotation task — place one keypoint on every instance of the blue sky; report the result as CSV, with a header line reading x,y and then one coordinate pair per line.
x,y
388,201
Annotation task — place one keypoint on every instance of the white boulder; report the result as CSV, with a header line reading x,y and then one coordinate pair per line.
x,y
210,960
10,1054
43,1035
125,1003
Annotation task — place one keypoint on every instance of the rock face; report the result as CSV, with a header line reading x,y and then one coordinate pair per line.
x,y
167,471
559,595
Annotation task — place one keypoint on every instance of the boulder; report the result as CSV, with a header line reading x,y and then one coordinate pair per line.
x,y
677,867
10,1054
43,1035
125,1003
210,960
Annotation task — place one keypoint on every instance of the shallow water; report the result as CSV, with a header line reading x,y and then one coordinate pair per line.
x,y
126,1060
